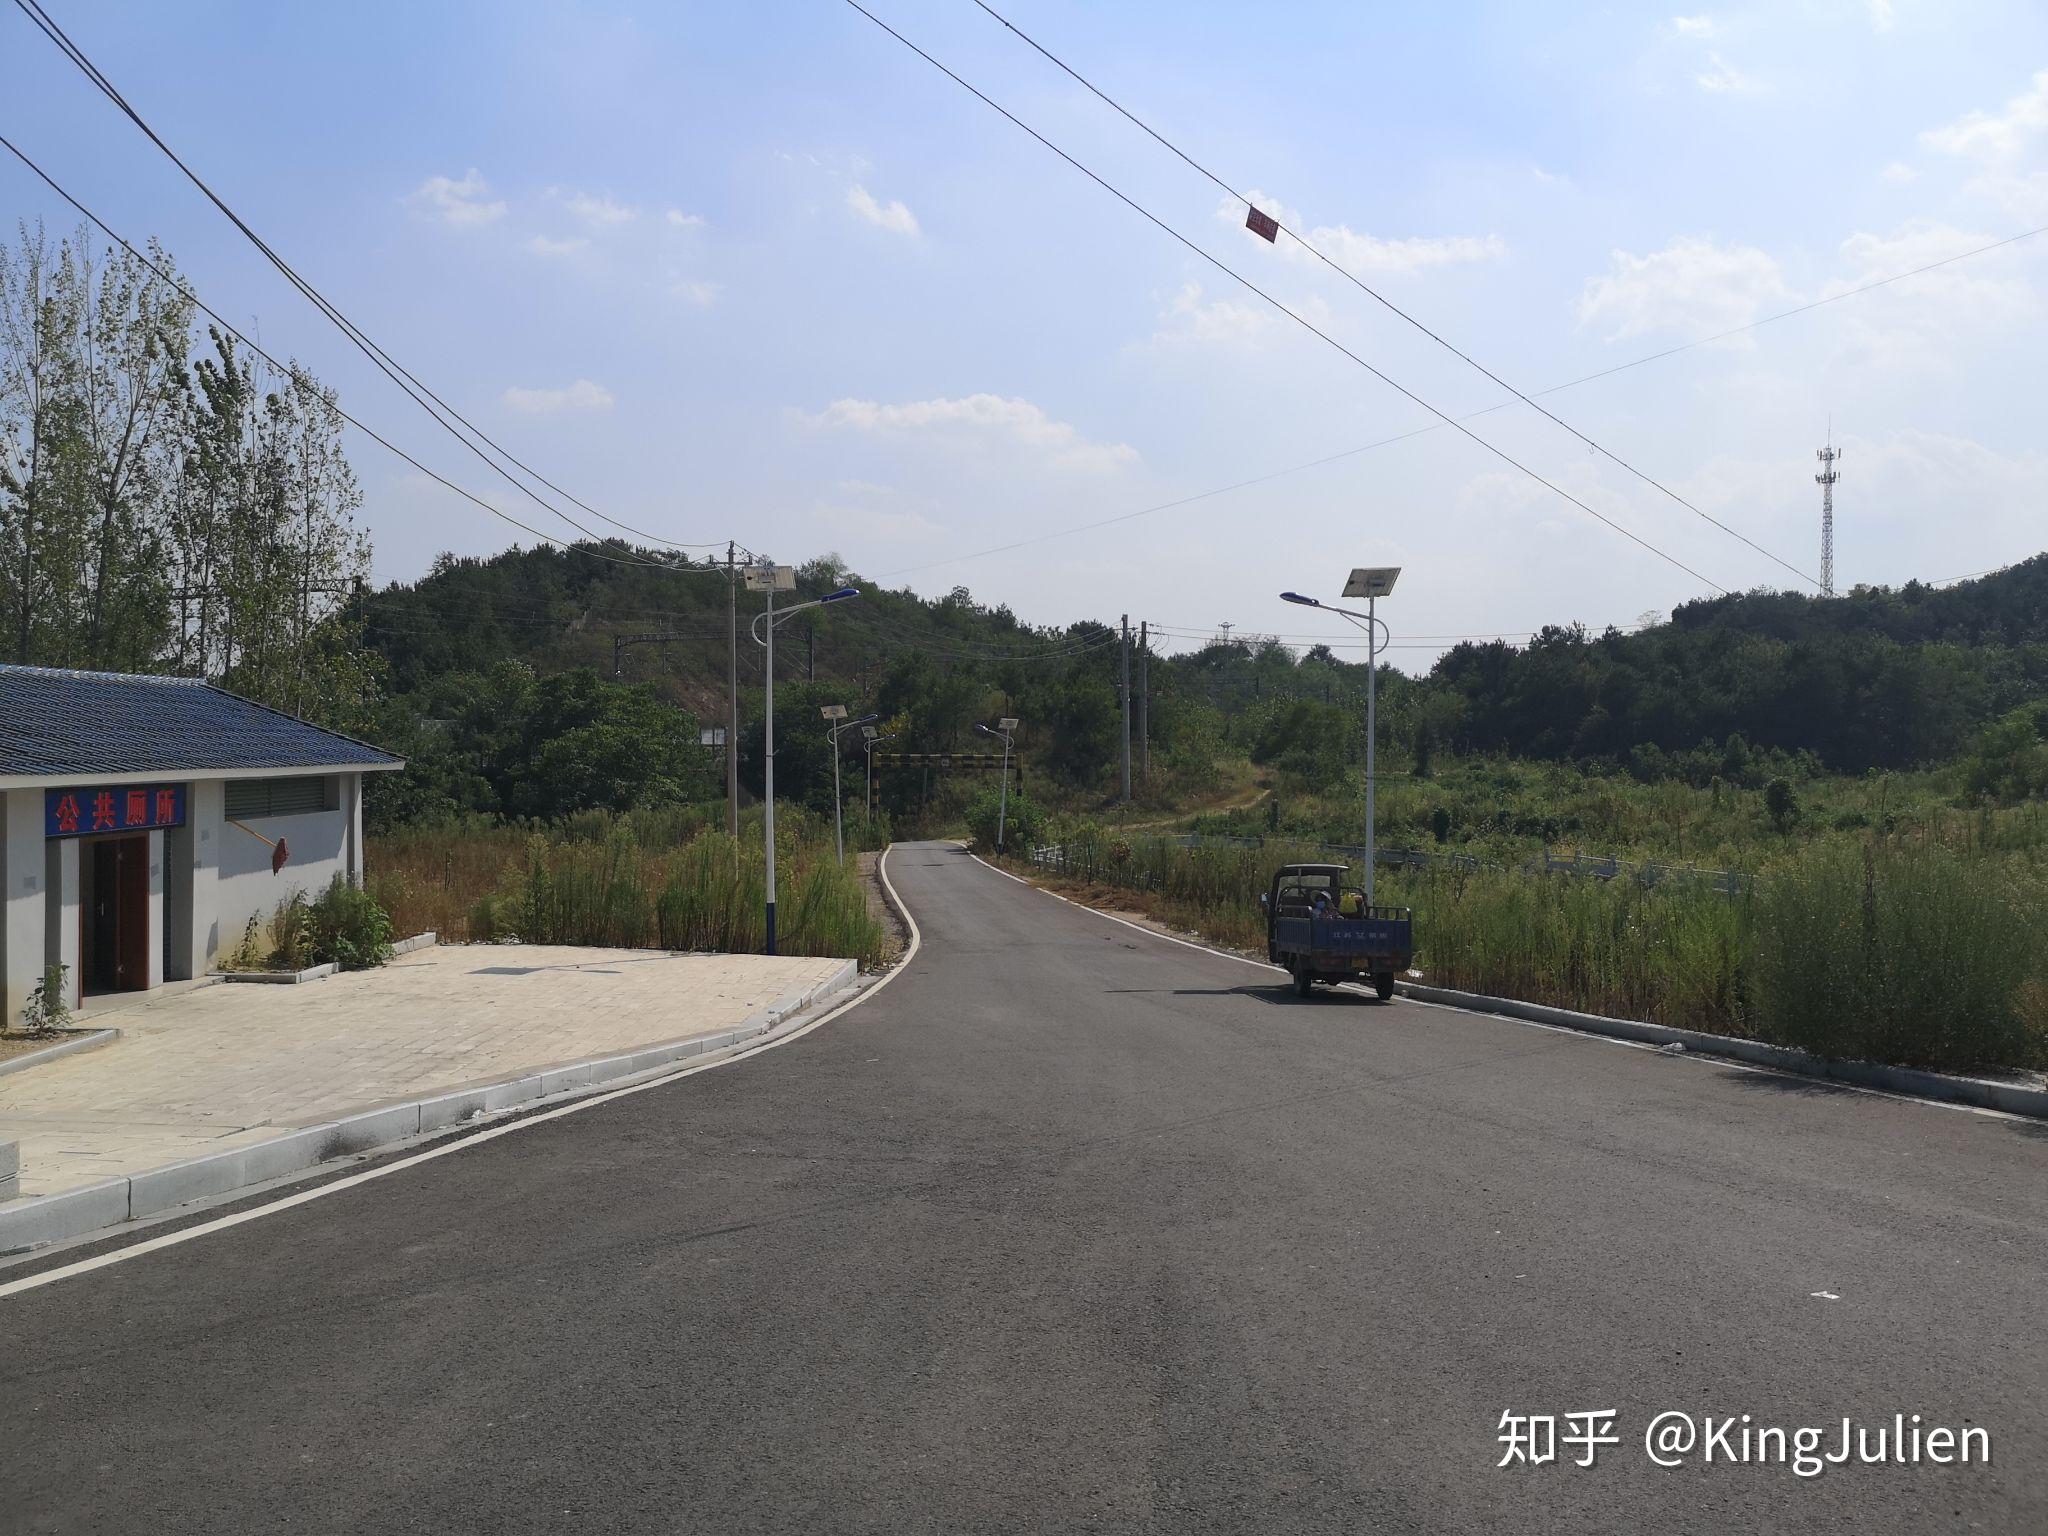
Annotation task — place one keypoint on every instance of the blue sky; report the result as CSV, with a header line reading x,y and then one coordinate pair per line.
x,y
758,271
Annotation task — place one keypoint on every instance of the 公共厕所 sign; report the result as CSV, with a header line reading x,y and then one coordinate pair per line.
x,y
86,811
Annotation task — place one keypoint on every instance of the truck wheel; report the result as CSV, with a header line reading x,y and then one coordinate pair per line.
x,y
1304,978
1383,984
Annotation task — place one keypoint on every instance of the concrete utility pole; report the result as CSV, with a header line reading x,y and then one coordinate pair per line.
x,y
1826,481
1144,704
1124,655
732,723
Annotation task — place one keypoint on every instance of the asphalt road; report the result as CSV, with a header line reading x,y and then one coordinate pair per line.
x,y
1072,1228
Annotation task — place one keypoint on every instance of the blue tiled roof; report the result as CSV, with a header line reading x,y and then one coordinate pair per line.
x,y
74,724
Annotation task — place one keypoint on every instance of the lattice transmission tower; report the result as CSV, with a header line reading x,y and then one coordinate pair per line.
x,y
1826,481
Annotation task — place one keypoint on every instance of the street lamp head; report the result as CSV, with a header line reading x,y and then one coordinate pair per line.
x,y
833,711
984,730
1296,597
1372,581
841,595
864,720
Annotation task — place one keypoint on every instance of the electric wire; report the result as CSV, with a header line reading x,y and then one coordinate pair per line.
x,y
214,315
1308,245
1299,319
385,363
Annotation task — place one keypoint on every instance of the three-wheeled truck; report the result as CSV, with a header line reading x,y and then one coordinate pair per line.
x,y
1321,929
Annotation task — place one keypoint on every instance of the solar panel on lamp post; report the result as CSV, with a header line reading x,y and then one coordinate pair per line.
x,y
772,579
1371,583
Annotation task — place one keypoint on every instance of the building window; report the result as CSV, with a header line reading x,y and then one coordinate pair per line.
x,y
248,799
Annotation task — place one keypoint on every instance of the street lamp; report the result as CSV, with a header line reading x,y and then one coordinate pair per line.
x,y
772,579
837,714
1005,728
873,739
1371,583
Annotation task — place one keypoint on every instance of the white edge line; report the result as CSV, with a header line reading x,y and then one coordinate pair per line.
x,y
399,1165
1508,1018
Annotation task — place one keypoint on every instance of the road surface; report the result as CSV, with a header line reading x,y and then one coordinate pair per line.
x,y
1073,1228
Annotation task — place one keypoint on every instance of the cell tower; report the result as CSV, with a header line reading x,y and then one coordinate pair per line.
x,y
1826,481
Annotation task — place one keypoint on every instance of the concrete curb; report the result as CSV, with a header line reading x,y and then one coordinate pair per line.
x,y
1978,1092
84,1042
282,978
35,1220
425,940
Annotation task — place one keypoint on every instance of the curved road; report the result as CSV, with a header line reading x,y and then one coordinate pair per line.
x,y
1073,1228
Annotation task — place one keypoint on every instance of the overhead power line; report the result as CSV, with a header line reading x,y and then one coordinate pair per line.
x,y
1238,277
374,436
1281,226
445,415
1387,442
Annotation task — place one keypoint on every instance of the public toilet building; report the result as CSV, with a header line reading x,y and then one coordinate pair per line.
x,y
145,820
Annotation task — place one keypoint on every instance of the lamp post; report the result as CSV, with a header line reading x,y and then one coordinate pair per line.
x,y
1004,728
772,579
1371,583
874,738
837,714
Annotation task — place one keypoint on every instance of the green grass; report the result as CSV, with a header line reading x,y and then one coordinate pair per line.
x,y
667,879
1901,949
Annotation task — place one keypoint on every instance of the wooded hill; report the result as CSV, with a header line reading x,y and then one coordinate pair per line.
x,y
1732,687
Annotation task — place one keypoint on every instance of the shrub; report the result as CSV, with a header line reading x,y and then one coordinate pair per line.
x,y
1024,822
46,1011
346,927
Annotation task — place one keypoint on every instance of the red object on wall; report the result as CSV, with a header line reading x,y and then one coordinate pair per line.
x,y
278,854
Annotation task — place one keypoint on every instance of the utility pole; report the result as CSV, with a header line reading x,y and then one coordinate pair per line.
x,y
1144,704
732,723
810,652
1124,661
1826,481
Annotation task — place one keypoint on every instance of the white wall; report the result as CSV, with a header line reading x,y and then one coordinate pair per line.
x,y
244,887
22,871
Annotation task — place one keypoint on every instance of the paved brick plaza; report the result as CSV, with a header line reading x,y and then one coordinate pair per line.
x,y
223,1065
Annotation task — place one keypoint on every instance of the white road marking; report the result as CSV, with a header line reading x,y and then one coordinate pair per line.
x,y
222,1223
1824,1295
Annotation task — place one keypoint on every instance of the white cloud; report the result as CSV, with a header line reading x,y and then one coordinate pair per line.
x,y
1363,253
1880,14
581,396
467,201
541,245
1724,78
892,216
682,220
980,421
1187,318
599,211
1693,26
1917,325
1996,139
697,291
2000,143
1899,171
1691,285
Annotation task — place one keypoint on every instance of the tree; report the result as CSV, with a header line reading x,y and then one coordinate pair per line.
x,y
1781,803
